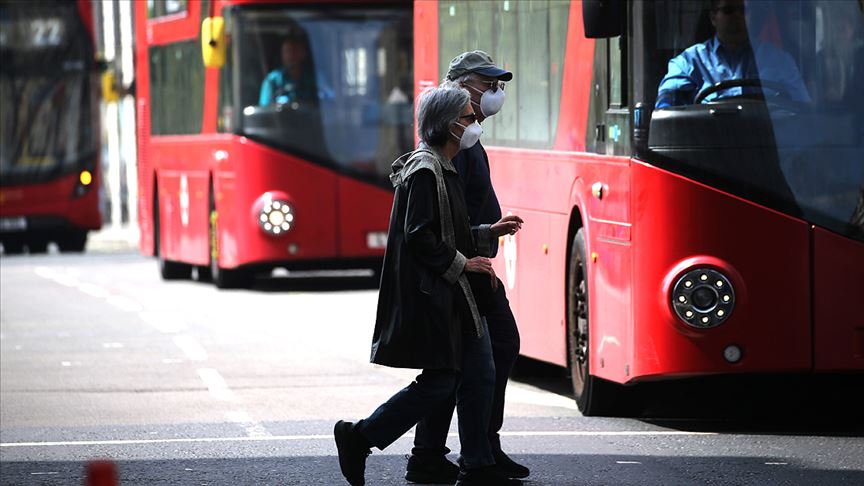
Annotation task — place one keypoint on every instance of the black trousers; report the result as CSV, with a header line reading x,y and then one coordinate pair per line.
x,y
431,434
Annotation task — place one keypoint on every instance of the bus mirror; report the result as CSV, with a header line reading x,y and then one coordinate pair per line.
x,y
110,94
213,42
603,18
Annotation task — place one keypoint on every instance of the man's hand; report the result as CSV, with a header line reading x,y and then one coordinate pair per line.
x,y
508,225
482,265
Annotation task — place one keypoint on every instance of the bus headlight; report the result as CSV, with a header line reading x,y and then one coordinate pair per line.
x,y
276,217
703,298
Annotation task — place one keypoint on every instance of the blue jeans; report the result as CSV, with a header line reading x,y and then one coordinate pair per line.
x,y
432,431
432,390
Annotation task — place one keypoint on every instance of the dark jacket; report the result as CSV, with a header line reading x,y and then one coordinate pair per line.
x,y
422,310
473,168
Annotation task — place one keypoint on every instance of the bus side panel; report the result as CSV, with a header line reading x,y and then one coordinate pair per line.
x,y
364,216
183,179
610,274
145,168
838,289
676,219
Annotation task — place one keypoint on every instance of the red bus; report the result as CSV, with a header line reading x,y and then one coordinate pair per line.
x,y
717,238
49,125
280,156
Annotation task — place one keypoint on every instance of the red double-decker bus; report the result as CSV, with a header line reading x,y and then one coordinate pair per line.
x,y
278,154
710,238
49,125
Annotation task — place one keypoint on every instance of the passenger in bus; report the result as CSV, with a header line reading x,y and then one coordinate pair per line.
x,y
730,54
428,317
294,81
476,72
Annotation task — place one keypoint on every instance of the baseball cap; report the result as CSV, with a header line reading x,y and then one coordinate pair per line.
x,y
476,62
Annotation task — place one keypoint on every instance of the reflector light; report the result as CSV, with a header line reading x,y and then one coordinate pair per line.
x,y
86,178
696,300
276,217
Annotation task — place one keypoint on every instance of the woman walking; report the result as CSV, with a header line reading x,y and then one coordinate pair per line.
x,y
428,316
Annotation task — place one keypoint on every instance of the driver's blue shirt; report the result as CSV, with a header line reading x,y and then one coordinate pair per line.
x,y
279,87
703,65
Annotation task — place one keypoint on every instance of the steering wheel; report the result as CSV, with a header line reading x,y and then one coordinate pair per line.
x,y
781,89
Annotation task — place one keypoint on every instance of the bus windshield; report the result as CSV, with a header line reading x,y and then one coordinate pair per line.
x,y
48,109
785,126
334,87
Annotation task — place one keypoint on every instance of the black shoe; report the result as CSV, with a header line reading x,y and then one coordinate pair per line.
x,y
510,467
485,476
431,470
353,450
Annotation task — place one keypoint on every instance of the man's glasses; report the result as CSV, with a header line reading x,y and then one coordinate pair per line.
x,y
731,9
494,85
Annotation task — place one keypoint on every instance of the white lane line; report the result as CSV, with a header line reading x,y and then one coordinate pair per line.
x,y
66,280
190,347
252,428
776,463
216,384
125,303
44,272
94,290
167,322
628,462
276,438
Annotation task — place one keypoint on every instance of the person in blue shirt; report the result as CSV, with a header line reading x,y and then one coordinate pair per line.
x,y
293,81
730,54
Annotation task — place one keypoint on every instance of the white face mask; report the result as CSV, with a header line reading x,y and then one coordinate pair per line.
x,y
470,136
490,101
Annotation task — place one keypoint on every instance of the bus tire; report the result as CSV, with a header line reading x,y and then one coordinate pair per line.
x,y
13,245
594,396
223,278
168,270
37,244
73,242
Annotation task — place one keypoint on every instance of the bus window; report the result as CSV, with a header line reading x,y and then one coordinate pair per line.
x,y
785,129
337,90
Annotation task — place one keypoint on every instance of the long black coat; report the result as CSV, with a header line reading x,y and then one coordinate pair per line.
x,y
422,312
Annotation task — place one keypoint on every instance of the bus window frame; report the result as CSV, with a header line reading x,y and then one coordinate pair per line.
x,y
177,27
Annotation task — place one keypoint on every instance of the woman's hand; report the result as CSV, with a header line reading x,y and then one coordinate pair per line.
x,y
482,265
508,225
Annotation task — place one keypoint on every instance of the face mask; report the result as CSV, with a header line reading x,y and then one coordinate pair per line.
x,y
470,136
490,101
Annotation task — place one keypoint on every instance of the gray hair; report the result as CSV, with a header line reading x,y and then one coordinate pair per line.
x,y
438,109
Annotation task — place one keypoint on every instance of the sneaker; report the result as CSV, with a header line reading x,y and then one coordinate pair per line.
x,y
485,476
431,470
510,467
353,450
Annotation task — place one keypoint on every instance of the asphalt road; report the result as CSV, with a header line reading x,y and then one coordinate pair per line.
x,y
180,383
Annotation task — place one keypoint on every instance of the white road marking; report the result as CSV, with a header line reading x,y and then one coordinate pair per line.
x,y
43,473
65,363
628,462
112,345
66,280
252,428
776,463
125,303
167,322
171,360
44,272
276,438
190,347
216,384
94,290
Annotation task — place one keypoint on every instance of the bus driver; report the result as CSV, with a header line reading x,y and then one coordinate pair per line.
x,y
730,54
294,80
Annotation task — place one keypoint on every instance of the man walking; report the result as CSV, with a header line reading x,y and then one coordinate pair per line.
x,y
476,72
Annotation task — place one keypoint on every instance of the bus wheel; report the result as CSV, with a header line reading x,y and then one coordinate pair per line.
x,y
593,395
13,245
221,277
73,242
37,244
